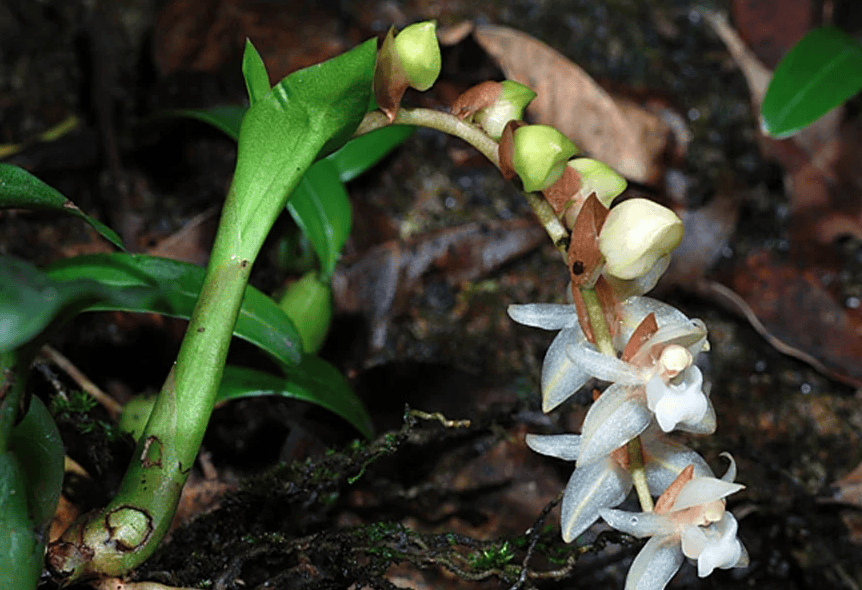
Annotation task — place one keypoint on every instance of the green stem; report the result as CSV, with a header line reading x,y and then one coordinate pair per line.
x,y
129,529
605,345
452,125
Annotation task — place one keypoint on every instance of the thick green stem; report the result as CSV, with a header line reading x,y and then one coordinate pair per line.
x,y
129,529
636,469
452,125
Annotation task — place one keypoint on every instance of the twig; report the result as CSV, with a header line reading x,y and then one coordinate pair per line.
x,y
109,403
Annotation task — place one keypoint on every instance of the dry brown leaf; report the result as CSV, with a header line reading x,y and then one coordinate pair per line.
x,y
613,130
381,279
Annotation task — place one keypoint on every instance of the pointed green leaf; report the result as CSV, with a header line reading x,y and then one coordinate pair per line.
x,y
321,208
226,118
361,153
20,189
30,300
312,111
171,288
312,380
254,72
820,72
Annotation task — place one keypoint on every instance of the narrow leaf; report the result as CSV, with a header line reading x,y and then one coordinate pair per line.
x,y
226,118
363,152
172,288
37,445
20,189
321,208
254,72
312,380
30,300
820,72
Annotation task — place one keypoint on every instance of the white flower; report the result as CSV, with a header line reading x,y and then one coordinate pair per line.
x,y
689,521
561,377
658,380
606,483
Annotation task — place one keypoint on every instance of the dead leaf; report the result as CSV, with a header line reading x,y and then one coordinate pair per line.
x,y
613,130
378,283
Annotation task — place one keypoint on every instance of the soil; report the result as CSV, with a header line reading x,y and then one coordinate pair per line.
x,y
426,503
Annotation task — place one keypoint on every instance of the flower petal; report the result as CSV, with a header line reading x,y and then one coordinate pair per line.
x,y
665,459
560,376
702,490
548,316
561,446
633,311
614,419
655,565
676,403
602,366
713,546
638,524
602,484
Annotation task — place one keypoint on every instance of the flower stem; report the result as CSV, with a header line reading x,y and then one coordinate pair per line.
x,y
636,469
597,321
452,125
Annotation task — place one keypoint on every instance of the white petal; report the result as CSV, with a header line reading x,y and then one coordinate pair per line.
x,y
635,309
602,484
639,285
690,334
730,474
666,459
561,446
639,524
618,416
560,376
548,316
655,565
706,425
602,366
714,546
674,404
702,490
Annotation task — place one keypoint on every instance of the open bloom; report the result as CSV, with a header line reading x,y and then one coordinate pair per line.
x,y
605,483
689,520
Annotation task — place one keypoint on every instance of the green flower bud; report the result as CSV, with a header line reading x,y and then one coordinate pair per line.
x,y
597,177
419,52
510,104
540,155
636,235
308,304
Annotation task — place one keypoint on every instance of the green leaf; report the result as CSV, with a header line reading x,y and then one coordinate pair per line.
x,y
321,208
361,153
172,288
254,72
22,554
312,380
38,447
30,300
820,72
226,118
20,189
312,111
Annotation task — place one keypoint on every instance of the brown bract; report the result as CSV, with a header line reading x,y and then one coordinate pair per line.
x,y
642,333
478,97
666,500
585,259
507,148
390,79
560,194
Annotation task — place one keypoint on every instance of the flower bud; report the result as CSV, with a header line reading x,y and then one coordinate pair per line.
x,y
510,104
308,304
597,177
419,52
636,235
540,155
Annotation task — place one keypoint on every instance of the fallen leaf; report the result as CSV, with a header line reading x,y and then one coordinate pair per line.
x,y
614,130
378,283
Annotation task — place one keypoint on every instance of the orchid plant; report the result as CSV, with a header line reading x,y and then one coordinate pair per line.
x,y
609,330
